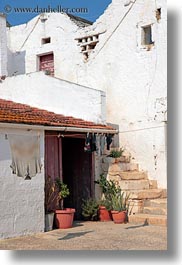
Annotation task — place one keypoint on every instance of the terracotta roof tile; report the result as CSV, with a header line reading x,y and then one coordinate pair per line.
x,y
11,112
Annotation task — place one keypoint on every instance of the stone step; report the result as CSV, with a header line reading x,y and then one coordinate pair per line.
x,y
135,206
128,175
119,167
155,210
160,203
111,160
145,194
153,184
123,167
164,193
134,184
148,219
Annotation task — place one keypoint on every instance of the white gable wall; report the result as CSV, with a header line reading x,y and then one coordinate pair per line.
x,y
60,29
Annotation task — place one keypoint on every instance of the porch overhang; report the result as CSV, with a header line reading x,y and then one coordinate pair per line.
x,y
56,128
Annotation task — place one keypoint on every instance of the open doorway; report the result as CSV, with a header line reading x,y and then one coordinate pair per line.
x,y
77,173
65,159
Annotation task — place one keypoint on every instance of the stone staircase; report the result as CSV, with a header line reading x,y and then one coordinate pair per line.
x,y
148,203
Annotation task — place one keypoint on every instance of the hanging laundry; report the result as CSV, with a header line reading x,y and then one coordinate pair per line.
x,y
102,144
25,150
109,140
98,148
93,143
87,147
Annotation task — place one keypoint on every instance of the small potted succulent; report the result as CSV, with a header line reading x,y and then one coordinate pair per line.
x,y
109,188
64,216
120,207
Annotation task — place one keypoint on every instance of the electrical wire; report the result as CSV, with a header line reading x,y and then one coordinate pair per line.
x,y
143,129
30,33
115,29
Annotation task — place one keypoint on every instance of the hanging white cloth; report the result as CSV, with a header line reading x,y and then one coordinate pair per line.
x,y
25,150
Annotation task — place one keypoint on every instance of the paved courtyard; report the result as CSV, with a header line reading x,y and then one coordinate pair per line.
x,y
93,236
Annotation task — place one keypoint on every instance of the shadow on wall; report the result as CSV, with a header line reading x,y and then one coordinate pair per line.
x,y
16,63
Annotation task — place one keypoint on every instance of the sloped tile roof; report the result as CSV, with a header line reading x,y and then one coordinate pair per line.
x,y
11,112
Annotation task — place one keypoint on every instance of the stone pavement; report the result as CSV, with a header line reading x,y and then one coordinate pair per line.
x,y
93,236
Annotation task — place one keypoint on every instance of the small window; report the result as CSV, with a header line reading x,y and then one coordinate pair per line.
x,y
158,14
46,40
147,35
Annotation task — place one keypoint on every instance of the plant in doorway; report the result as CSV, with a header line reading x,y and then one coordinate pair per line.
x,y
50,197
90,209
64,216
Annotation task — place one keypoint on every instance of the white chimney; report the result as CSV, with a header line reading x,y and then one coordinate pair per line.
x,y
3,46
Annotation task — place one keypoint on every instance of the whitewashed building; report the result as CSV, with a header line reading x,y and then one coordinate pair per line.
x,y
112,71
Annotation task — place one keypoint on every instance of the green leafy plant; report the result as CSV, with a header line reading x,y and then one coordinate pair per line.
x,y
106,203
90,209
120,202
63,192
116,153
108,187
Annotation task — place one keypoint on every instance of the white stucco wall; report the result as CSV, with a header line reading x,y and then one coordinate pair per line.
x,y
3,46
59,96
21,201
134,79
60,29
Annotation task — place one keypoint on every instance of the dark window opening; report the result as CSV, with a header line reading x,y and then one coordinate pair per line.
x,y
158,14
46,40
147,35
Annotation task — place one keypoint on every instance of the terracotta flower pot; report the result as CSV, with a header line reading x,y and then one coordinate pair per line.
x,y
119,217
104,214
64,218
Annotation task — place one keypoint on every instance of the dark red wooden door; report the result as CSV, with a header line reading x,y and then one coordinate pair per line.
x,y
53,157
46,63
53,161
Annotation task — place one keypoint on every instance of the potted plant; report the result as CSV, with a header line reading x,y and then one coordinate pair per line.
x,y
120,207
109,188
90,209
116,155
50,198
63,217
105,211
